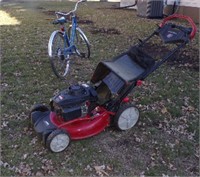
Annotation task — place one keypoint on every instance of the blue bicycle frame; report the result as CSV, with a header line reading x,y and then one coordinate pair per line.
x,y
69,41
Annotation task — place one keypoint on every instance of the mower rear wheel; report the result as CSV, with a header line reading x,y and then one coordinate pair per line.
x,y
58,140
37,107
126,117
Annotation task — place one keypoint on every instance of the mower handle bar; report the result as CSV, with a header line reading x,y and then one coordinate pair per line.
x,y
72,11
190,21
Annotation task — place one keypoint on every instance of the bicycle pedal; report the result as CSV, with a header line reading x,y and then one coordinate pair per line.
x,y
82,55
62,57
67,59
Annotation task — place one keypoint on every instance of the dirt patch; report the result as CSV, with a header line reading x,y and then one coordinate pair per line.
x,y
86,22
52,13
187,58
40,8
49,12
105,31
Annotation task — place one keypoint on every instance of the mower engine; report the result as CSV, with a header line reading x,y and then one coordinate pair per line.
x,y
74,102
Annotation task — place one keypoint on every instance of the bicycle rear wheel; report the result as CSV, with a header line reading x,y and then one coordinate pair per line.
x,y
59,63
82,46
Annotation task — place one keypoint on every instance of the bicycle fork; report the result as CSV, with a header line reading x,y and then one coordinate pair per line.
x,y
66,67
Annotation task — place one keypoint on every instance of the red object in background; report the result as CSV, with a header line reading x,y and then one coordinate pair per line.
x,y
62,28
190,21
126,100
139,82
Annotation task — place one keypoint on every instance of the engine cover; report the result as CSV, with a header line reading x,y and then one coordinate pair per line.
x,y
74,102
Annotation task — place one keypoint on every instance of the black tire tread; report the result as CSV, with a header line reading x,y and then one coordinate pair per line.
x,y
88,45
52,58
38,107
121,109
52,135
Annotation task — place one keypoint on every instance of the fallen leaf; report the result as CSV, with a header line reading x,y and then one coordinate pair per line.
x,y
108,168
100,170
4,124
25,156
137,139
164,110
39,173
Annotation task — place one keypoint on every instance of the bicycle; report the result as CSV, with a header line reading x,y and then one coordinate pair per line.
x,y
66,42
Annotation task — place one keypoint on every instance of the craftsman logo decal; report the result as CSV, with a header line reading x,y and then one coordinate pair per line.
x,y
47,123
171,34
60,97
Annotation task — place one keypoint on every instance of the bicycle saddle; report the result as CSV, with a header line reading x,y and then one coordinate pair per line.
x,y
61,20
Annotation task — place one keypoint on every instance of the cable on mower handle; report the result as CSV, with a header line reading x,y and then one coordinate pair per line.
x,y
72,11
191,22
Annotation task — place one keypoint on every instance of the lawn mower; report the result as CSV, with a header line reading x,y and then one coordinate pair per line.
x,y
85,110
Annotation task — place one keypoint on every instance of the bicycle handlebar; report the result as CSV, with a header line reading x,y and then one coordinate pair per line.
x,y
190,21
72,11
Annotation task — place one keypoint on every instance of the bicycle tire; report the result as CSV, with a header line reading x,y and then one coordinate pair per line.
x,y
59,63
82,45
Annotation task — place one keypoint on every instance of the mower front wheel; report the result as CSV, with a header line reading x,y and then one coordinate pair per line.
x,y
126,117
58,140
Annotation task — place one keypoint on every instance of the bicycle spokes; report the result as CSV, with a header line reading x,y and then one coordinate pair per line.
x,y
82,54
60,54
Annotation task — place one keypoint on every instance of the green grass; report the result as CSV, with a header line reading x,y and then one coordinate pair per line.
x,y
165,140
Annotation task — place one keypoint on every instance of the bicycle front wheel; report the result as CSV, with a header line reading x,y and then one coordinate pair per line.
x,y
82,46
59,62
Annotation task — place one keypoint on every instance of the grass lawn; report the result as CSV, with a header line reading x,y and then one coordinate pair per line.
x,y
166,138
